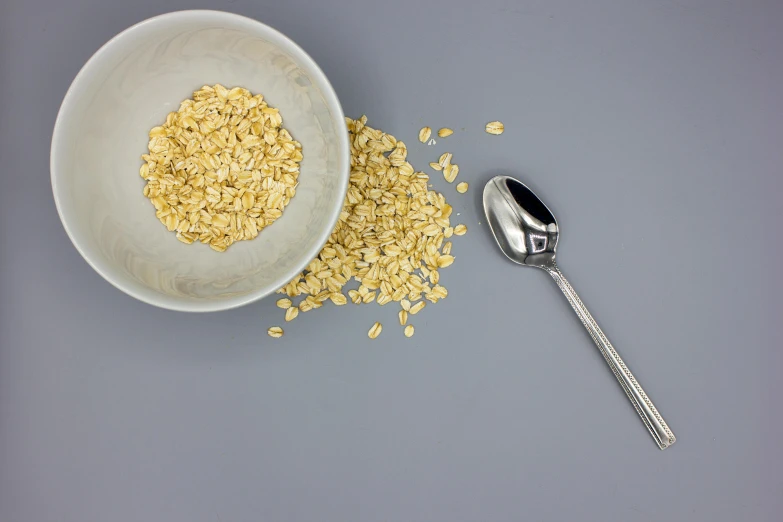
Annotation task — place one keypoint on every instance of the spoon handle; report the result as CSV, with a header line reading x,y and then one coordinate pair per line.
x,y
644,406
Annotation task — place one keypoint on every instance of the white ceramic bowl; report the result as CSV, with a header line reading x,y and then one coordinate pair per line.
x,y
127,88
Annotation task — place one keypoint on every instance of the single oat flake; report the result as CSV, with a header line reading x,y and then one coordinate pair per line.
x,y
445,132
450,172
418,307
275,331
444,159
494,127
409,331
375,331
338,298
440,292
424,134
445,260
291,313
462,187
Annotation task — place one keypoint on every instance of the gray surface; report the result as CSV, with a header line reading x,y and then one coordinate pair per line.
x,y
656,125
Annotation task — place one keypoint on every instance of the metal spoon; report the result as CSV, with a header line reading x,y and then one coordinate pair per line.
x,y
527,233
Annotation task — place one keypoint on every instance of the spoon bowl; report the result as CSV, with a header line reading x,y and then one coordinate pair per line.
x,y
523,226
527,233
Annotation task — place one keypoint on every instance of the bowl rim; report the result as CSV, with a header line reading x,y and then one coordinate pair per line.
x,y
332,102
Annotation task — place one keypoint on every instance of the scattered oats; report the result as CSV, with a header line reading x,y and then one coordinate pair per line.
x,y
291,313
462,187
409,331
445,132
444,261
403,315
375,331
418,307
275,331
494,127
460,230
390,235
436,166
284,303
424,134
221,168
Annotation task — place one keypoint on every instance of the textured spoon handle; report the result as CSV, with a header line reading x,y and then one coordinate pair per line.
x,y
644,406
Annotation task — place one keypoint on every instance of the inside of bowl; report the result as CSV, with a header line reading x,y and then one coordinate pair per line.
x,y
127,89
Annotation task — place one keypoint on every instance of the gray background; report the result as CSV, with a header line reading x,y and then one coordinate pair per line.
x,y
654,131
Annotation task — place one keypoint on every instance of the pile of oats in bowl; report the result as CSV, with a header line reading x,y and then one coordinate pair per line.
x,y
393,236
221,168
